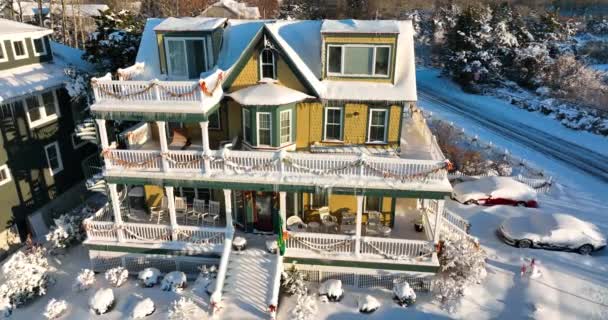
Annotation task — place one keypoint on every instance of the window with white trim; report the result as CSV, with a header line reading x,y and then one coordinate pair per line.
x,y
214,120
373,204
247,125
186,57
377,125
264,126
5,174
7,110
77,142
53,157
39,46
3,55
285,126
333,123
41,109
19,49
358,60
268,64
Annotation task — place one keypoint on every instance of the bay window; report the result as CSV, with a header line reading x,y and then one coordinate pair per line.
x,y
247,125
355,60
285,126
264,126
377,125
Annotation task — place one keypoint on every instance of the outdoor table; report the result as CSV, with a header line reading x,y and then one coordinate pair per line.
x,y
239,243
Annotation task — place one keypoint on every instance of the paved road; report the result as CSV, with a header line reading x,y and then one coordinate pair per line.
x,y
581,158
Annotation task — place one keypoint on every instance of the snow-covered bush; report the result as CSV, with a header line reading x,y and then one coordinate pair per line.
x,y
55,308
332,288
67,231
143,308
306,307
174,281
102,301
185,309
294,281
149,277
462,263
403,293
367,304
84,280
203,281
6,309
117,276
597,26
26,276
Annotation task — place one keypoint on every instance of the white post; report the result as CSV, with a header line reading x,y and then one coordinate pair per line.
x,y
295,204
103,133
116,209
358,225
171,206
164,147
205,136
438,220
228,210
283,208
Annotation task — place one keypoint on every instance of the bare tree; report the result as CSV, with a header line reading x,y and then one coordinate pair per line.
x,y
40,21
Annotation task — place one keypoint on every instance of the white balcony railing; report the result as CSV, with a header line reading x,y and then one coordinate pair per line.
x,y
280,165
141,91
320,242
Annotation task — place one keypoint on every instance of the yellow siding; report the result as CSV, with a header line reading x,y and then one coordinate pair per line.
x,y
310,124
342,201
355,127
235,119
387,206
287,78
394,125
388,39
154,194
248,76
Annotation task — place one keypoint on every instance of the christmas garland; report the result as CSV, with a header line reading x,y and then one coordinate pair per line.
x,y
396,257
323,247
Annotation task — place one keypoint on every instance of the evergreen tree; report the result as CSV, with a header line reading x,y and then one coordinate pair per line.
x,y
300,10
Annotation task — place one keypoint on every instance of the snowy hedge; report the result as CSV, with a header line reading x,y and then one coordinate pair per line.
x,y
332,288
102,301
26,276
184,309
174,281
84,280
55,309
67,231
117,276
149,277
143,309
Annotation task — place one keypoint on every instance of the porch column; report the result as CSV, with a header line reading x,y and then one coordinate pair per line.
x,y
115,200
296,208
283,209
438,220
228,210
205,138
358,225
103,133
164,147
171,206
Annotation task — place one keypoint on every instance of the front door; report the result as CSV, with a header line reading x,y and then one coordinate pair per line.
x,y
263,211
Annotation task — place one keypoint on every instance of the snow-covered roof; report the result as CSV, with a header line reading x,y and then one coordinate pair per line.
x,y
267,93
190,24
91,10
10,28
237,36
29,8
70,56
29,79
240,9
148,51
360,26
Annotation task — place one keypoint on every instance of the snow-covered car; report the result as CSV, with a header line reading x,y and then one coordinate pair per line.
x,y
489,191
556,231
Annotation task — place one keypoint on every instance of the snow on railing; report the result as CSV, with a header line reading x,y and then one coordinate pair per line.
x,y
273,304
200,235
456,220
99,226
320,242
216,297
394,248
142,232
106,89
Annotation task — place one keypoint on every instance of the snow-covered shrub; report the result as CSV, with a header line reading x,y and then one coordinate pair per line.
x,y
367,304
294,281
462,263
149,277
185,309
597,25
143,308
174,281
332,288
67,231
26,276
102,301
306,307
84,280
55,308
403,293
6,309
203,281
117,276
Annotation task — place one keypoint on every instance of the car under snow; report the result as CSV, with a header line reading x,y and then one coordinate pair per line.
x,y
489,191
556,231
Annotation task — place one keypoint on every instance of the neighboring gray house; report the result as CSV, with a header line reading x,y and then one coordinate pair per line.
x,y
232,9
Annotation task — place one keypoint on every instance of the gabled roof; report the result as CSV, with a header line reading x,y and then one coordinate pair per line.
x,y
190,24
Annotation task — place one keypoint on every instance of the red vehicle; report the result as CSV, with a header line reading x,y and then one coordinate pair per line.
x,y
490,191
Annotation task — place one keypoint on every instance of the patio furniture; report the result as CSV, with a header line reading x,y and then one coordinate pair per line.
x,y
295,223
330,223
180,139
239,243
314,226
158,211
384,231
214,213
198,212
181,207
272,246
136,198
348,223
373,222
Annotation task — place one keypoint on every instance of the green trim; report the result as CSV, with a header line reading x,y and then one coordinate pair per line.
x,y
393,209
361,264
267,187
242,60
140,250
154,116
400,123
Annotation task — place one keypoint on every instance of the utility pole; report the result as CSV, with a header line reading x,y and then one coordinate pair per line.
x,y
40,22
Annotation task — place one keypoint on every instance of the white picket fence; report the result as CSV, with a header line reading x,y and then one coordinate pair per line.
x,y
141,91
390,247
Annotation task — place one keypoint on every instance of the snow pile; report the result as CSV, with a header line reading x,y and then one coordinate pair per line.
x,y
332,288
271,246
26,276
102,301
204,280
143,309
84,280
367,304
493,187
185,309
305,309
403,293
174,281
55,308
67,231
149,277
6,309
117,276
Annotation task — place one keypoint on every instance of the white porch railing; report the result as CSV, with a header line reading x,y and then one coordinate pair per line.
x,y
140,91
141,232
320,242
281,164
200,235
394,248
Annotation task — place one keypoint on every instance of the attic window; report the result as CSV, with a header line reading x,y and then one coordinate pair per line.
x,y
354,60
267,64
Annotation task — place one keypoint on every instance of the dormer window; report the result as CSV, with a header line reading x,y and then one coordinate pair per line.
x,y
186,57
19,49
358,60
268,64
39,47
